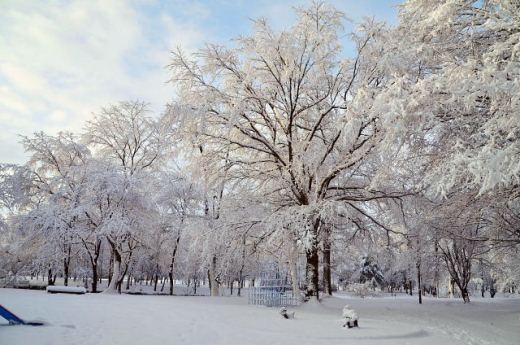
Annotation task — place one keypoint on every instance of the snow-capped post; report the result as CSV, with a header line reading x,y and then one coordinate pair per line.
x,y
350,317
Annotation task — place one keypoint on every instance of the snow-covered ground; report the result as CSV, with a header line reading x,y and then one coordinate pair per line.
x,y
124,319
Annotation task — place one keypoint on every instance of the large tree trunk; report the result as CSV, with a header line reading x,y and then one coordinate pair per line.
x,y
327,276
312,273
293,268
116,270
212,275
312,265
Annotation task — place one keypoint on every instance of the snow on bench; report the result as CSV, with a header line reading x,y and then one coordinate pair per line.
x,y
66,289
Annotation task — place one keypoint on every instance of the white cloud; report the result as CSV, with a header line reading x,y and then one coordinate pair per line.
x,y
63,60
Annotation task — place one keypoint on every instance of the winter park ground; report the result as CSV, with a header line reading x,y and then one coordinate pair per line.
x,y
126,319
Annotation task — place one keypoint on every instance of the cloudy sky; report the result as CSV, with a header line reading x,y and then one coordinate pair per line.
x,y
61,60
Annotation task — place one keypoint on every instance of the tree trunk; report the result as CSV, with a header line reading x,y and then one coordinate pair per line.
x,y
50,281
65,272
313,262
241,271
94,263
312,272
492,289
212,273
128,281
66,265
293,268
110,267
483,286
125,271
418,265
240,282
465,294
94,277
170,272
116,271
327,276
170,278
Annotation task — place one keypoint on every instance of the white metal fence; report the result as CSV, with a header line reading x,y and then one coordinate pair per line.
x,y
273,292
272,297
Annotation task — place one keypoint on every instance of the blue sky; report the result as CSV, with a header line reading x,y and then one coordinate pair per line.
x,y
60,60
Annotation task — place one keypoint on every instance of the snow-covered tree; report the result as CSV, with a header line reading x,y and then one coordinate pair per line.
x,y
456,65
56,175
134,144
288,112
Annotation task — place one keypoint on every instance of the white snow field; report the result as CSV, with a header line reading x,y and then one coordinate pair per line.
x,y
124,319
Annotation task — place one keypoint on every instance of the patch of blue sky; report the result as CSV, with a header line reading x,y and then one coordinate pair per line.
x,y
223,20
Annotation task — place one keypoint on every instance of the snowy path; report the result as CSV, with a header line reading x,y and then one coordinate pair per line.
x,y
108,319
